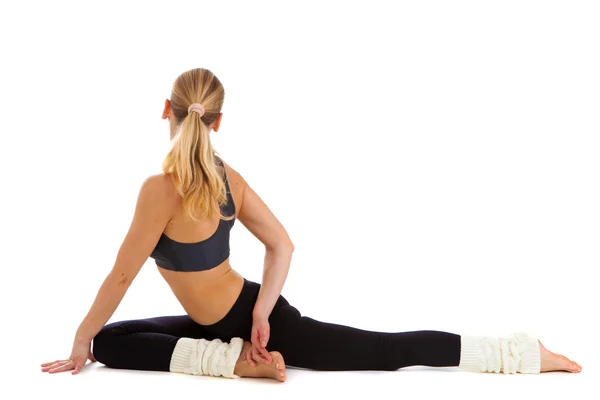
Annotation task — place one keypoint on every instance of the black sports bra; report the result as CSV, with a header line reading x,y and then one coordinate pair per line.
x,y
199,256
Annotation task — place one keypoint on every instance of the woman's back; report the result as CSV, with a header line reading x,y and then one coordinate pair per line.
x,y
193,256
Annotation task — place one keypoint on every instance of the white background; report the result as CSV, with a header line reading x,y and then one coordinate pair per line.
x,y
435,164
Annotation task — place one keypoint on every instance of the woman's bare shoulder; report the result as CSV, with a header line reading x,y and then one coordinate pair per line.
x,y
163,187
234,178
162,182
254,214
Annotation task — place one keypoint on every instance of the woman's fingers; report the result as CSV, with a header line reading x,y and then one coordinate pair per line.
x,y
50,363
258,356
79,355
263,338
254,348
78,367
257,352
58,363
248,356
263,329
265,355
64,367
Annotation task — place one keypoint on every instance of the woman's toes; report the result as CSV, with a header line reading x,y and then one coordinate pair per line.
x,y
568,365
574,368
278,358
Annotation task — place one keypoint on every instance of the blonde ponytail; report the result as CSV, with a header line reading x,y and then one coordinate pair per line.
x,y
192,161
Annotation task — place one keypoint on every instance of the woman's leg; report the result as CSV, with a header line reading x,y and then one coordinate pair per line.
x,y
176,344
144,344
313,344
308,343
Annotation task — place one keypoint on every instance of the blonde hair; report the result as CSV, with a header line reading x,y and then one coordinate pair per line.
x,y
192,160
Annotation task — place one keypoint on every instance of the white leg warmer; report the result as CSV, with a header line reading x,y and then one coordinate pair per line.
x,y
204,357
518,352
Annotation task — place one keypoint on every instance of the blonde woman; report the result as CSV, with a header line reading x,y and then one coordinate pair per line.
x,y
234,327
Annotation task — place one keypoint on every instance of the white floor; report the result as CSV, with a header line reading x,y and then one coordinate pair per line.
x,y
99,382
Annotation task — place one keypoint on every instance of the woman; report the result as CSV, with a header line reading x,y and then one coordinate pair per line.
x,y
234,327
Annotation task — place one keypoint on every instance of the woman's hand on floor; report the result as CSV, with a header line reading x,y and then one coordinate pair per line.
x,y
260,337
79,355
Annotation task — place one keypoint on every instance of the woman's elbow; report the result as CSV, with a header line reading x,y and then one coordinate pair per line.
x,y
121,278
285,246
288,245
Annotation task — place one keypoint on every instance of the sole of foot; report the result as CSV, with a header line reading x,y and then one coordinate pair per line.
x,y
556,362
274,370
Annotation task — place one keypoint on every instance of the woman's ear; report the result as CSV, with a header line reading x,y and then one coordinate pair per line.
x,y
167,109
217,122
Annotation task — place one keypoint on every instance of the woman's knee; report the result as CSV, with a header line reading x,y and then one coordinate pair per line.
x,y
284,324
104,343
284,315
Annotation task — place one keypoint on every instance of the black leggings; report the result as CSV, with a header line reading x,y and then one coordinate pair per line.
x,y
147,344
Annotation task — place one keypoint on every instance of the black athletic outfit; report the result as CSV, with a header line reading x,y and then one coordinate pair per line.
x,y
147,344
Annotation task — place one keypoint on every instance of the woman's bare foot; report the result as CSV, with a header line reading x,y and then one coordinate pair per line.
x,y
556,362
274,370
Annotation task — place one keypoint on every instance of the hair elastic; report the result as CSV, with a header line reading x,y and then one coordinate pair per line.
x,y
199,108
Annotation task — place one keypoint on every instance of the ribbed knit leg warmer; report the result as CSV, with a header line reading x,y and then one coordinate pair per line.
x,y
206,357
518,352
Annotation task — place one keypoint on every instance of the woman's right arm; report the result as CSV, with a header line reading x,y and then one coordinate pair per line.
x,y
154,209
107,300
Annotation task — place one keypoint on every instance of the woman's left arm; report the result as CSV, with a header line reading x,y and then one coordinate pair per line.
x,y
262,223
276,266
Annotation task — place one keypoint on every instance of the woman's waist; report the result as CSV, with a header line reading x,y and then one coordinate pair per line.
x,y
231,319
206,300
